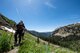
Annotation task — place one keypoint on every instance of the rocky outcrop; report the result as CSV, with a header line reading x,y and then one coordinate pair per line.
x,y
67,33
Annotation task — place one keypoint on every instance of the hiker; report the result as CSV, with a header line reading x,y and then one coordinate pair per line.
x,y
19,32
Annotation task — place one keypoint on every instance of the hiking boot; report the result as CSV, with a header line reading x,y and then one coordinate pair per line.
x,y
15,43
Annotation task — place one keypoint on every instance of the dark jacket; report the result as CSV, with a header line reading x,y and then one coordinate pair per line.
x,y
20,26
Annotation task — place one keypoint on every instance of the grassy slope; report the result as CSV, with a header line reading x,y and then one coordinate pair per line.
x,y
5,41
31,46
7,20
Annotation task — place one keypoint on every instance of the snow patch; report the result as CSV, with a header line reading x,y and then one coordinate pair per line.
x,y
6,28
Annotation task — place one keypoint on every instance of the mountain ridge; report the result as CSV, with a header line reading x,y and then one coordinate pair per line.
x,y
6,21
69,29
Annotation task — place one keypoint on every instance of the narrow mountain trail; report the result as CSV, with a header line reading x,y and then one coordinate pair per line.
x,y
45,42
54,48
15,50
49,48
43,46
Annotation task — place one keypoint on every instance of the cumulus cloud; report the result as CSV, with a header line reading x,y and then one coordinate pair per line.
x,y
49,4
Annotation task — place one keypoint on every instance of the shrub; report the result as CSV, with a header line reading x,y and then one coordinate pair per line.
x,y
4,43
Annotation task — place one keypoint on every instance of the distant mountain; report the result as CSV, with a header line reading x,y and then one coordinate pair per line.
x,y
6,22
67,36
68,30
43,35
67,33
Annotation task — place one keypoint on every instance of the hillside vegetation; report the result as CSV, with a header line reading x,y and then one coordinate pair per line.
x,y
33,45
6,41
30,45
67,36
42,35
5,21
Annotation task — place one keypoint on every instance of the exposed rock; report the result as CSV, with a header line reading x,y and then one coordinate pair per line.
x,y
70,32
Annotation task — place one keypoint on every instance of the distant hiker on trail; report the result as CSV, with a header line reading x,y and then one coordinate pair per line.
x,y
20,30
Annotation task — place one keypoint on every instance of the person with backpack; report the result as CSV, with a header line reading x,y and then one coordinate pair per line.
x,y
20,30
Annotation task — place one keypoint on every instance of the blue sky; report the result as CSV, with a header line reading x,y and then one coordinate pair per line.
x,y
42,15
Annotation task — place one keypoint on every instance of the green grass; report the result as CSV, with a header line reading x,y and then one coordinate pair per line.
x,y
70,44
31,46
11,22
74,45
5,42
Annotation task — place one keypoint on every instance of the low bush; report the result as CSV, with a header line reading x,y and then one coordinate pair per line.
x,y
5,43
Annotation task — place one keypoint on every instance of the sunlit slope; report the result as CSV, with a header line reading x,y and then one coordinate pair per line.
x,y
30,45
4,21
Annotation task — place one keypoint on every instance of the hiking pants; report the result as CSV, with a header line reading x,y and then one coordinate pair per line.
x,y
18,34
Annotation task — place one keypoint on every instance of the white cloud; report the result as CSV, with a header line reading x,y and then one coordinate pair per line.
x,y
49,4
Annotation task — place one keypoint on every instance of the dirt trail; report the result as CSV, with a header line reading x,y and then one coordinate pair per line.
x,y
15,50
45,42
